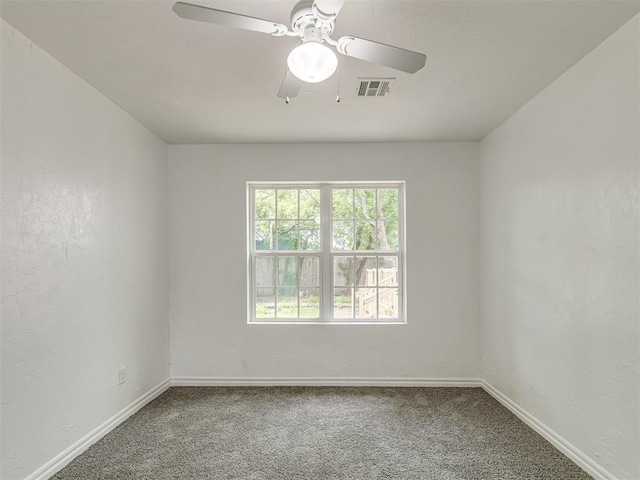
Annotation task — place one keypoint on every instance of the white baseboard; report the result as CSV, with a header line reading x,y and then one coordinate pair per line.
x,y
325,382
575,455
60,461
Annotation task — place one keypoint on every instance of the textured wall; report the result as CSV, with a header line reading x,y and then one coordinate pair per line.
x,y
84,258
209,331
559,255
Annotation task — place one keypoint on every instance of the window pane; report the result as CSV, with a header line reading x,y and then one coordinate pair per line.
x,y
309,271
366,271
287,235
265,269
287,204
365,203
287,302
388,202
388,302
309,235
265,204
287,272
343,235
387,234
365,236
366,303
342,203
388,271
265,303
290,241
343,273
310,204
343,302
309,303
265,235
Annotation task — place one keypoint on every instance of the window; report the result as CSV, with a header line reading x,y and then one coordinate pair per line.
x,y
326,252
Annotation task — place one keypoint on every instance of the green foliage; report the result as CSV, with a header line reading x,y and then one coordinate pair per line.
x,y
340,301
342,203
263,311
312,300
289,219
365,219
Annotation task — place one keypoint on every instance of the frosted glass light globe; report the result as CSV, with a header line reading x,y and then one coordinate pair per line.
x,y
312,62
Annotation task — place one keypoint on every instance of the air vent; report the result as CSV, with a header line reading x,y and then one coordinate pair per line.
x,y
374,87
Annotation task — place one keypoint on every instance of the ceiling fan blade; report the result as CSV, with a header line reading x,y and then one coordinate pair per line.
x,y
374,52
328,8
211,15
290,86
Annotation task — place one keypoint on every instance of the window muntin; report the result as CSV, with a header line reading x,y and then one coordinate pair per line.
x,y
287,287
365,218
366,286
287,219
326,253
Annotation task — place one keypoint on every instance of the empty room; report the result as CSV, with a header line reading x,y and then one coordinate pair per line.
x,y
320,239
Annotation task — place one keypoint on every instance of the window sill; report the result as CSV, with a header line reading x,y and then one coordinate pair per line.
x,y
387,321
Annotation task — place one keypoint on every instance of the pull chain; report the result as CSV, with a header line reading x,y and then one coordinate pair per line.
x,y
286,86
338,85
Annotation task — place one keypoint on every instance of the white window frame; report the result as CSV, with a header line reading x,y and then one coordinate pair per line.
x,y
326,253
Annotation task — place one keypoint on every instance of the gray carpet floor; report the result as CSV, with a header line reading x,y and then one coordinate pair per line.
x,y
322,433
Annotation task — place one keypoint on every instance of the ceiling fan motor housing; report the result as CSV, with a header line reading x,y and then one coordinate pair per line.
x,y
313,21
304,15
312,34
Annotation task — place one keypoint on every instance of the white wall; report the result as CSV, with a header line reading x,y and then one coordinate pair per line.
x,y
559,255
209,332
85,276
84,258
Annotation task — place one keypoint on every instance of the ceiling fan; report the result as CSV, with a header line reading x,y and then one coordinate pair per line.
x,y
311,60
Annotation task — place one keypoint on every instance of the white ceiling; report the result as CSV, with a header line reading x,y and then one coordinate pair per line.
x,y
191,82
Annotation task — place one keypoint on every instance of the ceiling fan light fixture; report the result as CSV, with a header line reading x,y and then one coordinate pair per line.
x,y
312,62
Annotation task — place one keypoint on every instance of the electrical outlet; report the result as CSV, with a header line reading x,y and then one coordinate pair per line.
x,y
121,377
